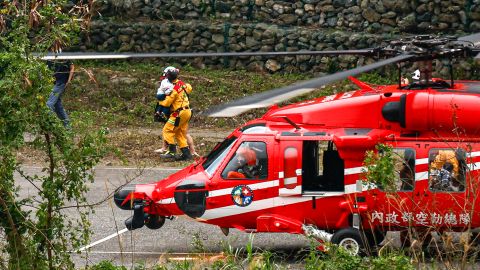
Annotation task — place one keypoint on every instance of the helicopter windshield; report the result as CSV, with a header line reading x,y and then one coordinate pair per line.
x,y
217,155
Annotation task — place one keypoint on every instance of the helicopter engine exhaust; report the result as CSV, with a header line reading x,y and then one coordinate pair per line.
x,y
441,111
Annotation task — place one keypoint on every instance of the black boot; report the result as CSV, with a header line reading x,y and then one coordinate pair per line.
x,y
170,154
186,155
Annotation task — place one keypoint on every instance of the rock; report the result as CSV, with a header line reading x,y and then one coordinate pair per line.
x,y
126,47
332,21
223,7
424,25
442,26
192,15
127,31
388,22
188,39
278,8
449,18
371,15
309,8
389,15
355,10
463,17
251,42
272,65
196,3
257,34
124,38
389,4
408,22
218,38
255,66
425,17
288,18
327,8
364,4
475,27
421,8
339,3
379,7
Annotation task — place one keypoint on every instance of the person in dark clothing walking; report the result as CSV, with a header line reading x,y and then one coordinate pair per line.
x,y
63,73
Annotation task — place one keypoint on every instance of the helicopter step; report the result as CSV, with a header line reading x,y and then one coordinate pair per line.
x,y
312,231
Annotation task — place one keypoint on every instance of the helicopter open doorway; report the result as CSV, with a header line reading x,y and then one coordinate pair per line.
x,y
322,168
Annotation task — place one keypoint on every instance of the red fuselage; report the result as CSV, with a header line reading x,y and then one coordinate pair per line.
x,y
310,172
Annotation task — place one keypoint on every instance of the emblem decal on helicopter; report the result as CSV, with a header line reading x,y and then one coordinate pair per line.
x,y
242,195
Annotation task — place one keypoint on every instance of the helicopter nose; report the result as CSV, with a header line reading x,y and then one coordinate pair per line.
x,y
122,197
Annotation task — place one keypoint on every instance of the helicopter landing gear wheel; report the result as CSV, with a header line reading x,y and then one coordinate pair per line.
x,y
351,240
154,222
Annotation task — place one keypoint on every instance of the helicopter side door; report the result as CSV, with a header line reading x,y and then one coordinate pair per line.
x,y
322,168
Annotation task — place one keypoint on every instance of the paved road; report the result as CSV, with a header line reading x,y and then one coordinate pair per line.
x,y
144,245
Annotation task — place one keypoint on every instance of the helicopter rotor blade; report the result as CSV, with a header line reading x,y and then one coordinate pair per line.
x,y
473,39
98,56
274,96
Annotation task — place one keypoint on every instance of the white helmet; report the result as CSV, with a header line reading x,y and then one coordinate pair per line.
x,y
170,69
416,75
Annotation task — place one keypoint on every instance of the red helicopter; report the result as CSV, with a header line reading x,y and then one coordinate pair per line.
x,y
299,169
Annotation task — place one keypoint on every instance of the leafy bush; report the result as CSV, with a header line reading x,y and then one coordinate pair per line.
x,y
379,167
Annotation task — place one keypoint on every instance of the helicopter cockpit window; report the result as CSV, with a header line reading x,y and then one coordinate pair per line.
x,y
322,167
404,166
249,162
218,153
447,168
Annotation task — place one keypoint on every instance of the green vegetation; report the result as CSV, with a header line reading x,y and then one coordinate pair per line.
x,y
36,232
379,167
335,259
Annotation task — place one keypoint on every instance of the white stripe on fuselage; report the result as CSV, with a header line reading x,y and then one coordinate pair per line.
x,y
226,191
256,205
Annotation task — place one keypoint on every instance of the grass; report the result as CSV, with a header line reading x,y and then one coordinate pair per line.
x,y
124,92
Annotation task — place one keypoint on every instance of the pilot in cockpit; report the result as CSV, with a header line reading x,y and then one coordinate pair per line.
x,y
243,165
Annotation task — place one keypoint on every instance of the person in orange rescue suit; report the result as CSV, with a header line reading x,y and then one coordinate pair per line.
x,y
175,129
444,168
166,87
246,164
443,157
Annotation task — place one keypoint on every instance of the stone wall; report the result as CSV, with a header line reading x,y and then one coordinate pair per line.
x,y
247,25
198,36
377,16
